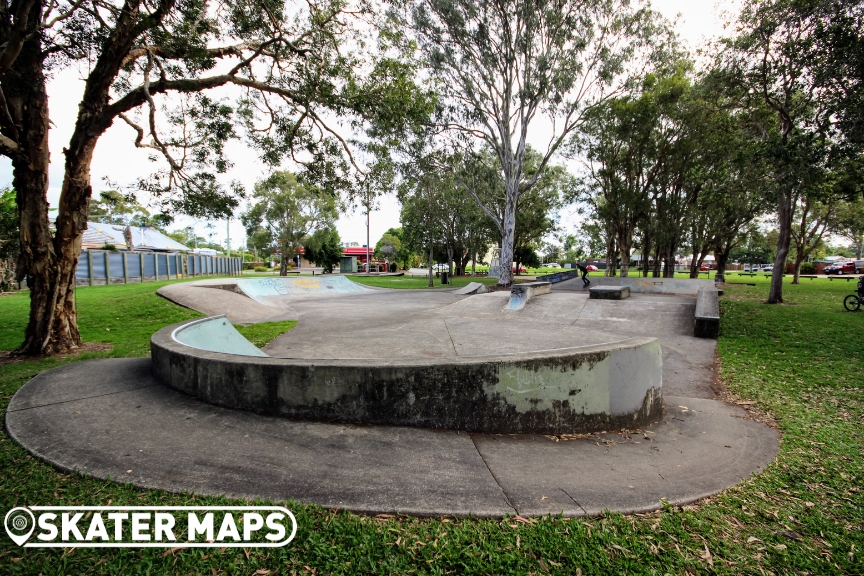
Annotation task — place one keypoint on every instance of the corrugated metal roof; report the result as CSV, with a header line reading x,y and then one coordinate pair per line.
x,y
98,234
152,239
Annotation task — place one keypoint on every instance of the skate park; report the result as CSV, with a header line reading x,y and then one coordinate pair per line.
x,y
426,402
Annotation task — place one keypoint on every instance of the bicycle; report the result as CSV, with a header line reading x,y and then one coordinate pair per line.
x,y
853,302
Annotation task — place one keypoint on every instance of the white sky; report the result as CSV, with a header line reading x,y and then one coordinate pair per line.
x,y
117,159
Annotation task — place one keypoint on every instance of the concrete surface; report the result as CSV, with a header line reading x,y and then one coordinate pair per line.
x,y
439,324
707,315
215,334
521,294
609,292
112,419
637,284
472,288
568,390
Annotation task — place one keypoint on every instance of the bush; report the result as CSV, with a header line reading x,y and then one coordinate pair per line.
x,y
261,269
808,268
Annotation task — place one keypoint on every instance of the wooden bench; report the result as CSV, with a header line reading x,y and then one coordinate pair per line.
x,y
707,316
747,274
847,278
810,276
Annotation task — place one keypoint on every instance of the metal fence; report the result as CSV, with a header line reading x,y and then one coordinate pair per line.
x,y
99,267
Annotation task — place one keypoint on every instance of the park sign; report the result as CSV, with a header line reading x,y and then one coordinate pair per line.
x,y
150,526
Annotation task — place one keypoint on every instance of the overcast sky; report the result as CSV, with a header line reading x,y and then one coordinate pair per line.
x,y
117,159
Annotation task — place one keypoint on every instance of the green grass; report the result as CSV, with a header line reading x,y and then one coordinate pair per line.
x,y
416,283
801,363
262,333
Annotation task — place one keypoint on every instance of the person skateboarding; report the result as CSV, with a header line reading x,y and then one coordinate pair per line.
x,y
584,270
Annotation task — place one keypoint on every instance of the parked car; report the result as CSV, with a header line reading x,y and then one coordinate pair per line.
x,y
704,268
767,268
441,267
746,268
553,265
847,267
520,271
591,268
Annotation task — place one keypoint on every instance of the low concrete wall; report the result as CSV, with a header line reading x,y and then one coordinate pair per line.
x,y
472,288
707,315
521,294
609,292
642,285
610,386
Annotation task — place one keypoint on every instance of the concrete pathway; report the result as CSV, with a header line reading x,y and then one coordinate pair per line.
x,y
111,419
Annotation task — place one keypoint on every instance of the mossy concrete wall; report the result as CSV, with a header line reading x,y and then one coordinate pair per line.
x,y
590,388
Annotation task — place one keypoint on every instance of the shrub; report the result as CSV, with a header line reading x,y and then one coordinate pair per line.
x,y
261,269
808,268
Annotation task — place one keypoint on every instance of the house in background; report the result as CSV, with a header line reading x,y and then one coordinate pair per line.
x,y
147,239
98,235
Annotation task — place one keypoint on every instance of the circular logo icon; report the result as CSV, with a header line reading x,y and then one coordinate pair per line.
x,y
20,524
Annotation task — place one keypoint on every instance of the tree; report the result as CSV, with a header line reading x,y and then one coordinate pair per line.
x,y
850,223
783,66
324,248
290,211
288,65
388,247
9,234
812,220
112,207
502,64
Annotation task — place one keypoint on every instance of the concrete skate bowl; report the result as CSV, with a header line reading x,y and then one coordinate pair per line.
x,y
273,291
602,385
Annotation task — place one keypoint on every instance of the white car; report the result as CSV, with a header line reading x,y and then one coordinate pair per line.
x,y
768,268
441,267
553,265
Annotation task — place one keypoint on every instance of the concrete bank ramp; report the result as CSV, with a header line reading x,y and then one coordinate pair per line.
x,y
472,288
272,291
216,334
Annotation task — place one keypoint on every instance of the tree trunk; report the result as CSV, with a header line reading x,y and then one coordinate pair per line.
x,y
624,243
431,282
283,261
722,254
505,275
51,325
784,216
610,257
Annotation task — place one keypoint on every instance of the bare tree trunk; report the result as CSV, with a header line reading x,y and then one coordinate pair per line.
x,y
431,282
283,261
610,256
505,276
784,216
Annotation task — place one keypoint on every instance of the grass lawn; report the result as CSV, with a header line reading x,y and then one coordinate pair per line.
x,y
802,363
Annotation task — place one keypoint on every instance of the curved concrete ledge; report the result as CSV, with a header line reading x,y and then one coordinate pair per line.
x,y
111,419
571,390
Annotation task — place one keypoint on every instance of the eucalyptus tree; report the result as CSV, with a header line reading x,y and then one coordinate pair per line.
x,y
149,64
536,210
290,211
504,66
